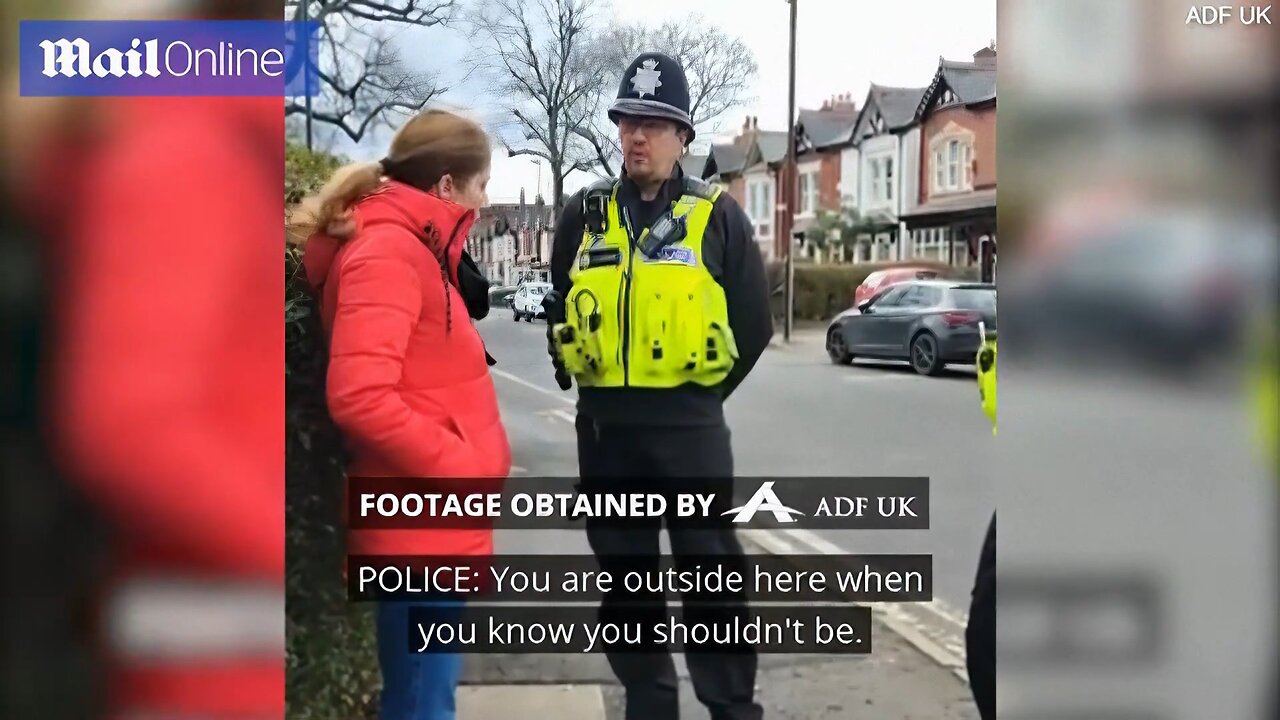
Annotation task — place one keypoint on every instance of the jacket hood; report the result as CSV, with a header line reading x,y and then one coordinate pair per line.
x,y
441,225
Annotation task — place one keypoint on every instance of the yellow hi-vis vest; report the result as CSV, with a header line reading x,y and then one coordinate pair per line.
x,y
987,379
636,321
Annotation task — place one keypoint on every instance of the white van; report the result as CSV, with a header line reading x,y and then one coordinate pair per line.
x,y
527,302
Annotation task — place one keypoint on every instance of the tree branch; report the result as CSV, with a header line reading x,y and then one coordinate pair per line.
x,y
601,157
529,151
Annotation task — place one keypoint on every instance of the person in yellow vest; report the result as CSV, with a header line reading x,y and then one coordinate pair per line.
x,y
659,309
980,632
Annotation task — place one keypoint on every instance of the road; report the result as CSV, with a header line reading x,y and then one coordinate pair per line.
x,y
796,415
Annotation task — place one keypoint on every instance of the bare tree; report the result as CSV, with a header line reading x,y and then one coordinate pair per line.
x,y
719,67
544,69
363,84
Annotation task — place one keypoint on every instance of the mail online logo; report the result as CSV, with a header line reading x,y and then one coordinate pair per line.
x,y
223,58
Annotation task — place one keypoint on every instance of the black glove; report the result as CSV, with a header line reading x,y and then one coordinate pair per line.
x,y
553,304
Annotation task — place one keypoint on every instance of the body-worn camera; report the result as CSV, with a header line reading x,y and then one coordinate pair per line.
x,y
667,230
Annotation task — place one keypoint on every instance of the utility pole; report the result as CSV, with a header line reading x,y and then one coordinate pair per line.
x,y
304,7
539,164
789,185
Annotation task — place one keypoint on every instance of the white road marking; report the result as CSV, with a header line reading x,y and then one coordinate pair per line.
x,y
521,381
559,414
564,702
811,540
944,645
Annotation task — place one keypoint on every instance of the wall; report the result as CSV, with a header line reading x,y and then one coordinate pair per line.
x,y
909,178
850,162
980,125
738,189
829,181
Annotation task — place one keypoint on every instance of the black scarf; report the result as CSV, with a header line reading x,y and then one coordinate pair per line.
x,y
474,288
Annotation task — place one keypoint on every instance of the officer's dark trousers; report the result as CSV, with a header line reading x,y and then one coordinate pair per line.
x,y
980,634
688,459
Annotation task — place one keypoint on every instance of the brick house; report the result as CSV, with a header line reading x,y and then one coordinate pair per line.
x,y
748,168
955,219
880,166
511,241
821,137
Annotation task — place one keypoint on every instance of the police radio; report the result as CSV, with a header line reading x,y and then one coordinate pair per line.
x,y
666,231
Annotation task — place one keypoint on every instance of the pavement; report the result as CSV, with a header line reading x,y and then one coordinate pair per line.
x,y
796,415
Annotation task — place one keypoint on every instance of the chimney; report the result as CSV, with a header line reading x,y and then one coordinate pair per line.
x,y
985,58
842,103
747,136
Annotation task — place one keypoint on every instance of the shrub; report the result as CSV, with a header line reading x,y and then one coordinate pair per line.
x,y
331,659
822,291
305,171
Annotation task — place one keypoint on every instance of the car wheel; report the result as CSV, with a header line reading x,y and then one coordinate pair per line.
x,y
515,315
528,317
837,350
924,354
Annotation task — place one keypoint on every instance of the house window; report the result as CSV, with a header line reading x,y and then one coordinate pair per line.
x,y
806,204
881,172
760,208
952,166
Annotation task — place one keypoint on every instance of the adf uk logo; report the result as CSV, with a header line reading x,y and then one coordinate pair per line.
x,y
764,500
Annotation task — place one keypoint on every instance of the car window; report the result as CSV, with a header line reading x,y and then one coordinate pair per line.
x,y
915,297
974,299
892,296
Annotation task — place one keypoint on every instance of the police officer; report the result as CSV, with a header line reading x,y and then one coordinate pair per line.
x,y
659,309
980,632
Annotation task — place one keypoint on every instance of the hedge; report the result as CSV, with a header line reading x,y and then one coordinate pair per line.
x,y
331,661
822,291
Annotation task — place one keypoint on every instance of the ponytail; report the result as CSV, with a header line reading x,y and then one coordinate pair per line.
x,y
329,211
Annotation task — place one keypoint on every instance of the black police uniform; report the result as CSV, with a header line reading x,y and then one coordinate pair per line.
x,y
980,632
677,437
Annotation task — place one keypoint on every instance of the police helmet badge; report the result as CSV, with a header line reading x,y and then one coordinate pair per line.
x,y
646,80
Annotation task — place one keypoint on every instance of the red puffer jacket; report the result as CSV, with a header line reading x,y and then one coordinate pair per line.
x,y
408,384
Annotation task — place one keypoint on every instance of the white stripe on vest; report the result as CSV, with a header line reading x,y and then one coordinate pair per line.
x,y
169,618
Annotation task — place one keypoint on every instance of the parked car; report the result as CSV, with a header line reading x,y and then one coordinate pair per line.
x,y
1167,291
884,279
527,302
501,295
928,323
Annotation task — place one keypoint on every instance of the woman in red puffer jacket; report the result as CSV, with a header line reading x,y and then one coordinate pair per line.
x,y
408,383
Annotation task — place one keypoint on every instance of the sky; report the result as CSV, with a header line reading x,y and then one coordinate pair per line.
x,y
841,46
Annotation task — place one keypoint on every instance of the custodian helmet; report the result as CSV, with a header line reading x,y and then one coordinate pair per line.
x,y
654,85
